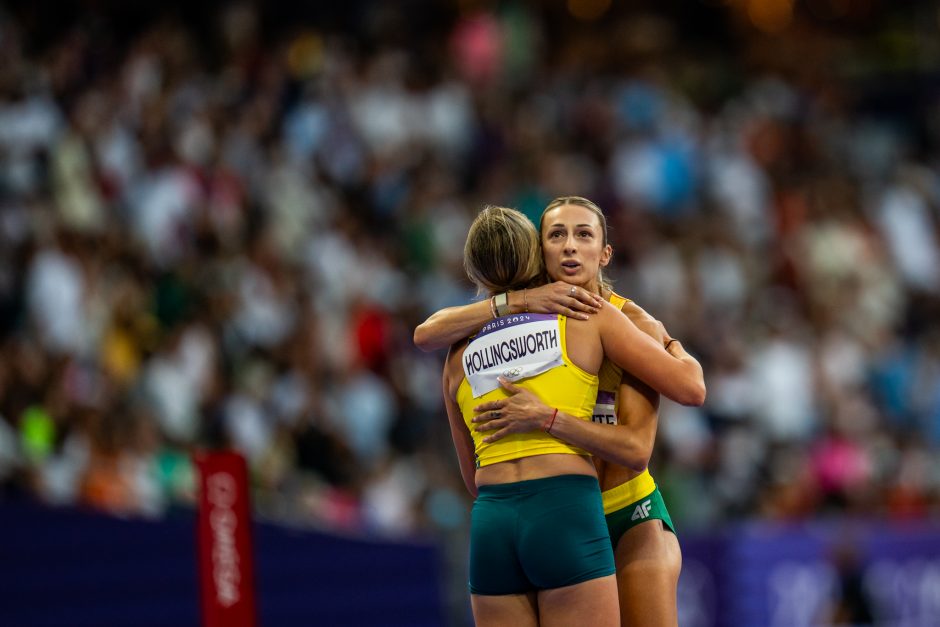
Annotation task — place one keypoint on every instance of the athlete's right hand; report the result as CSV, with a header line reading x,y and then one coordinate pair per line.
x,y
563,298
520,412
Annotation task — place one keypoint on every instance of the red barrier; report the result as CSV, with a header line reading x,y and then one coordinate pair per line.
x,y
226,567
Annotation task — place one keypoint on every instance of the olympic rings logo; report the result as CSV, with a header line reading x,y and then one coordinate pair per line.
x,y
512,373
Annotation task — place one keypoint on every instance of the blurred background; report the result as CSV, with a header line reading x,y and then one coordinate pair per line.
x,y
220,223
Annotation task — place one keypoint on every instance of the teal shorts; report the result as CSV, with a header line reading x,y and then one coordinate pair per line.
x,y
650,507
538,534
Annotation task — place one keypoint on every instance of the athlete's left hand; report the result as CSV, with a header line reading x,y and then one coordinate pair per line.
x,y
522,412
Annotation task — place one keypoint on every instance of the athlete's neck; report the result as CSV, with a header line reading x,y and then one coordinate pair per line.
x,y
594,287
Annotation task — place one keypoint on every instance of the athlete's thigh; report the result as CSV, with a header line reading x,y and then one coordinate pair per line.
x,y
592,602
648,560
505,610
494,563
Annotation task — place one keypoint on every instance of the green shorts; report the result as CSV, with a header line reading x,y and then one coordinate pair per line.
x,y
650,507
538,534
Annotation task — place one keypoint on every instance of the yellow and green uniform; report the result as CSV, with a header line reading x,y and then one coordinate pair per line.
x,y
543,533
639,499
632,503
548,373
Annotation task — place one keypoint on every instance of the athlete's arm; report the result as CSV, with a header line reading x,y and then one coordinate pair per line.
x,y
463,441
655,329
638,403
448,326
523,411
452,324
677,377
676,349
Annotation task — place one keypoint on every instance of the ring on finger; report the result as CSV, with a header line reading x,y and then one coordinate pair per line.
x,y
573,290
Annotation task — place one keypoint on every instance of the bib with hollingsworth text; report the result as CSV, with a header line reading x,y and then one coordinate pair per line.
x,y
515,347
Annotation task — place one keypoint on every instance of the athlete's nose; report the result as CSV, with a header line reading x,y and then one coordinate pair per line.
x,y
570,244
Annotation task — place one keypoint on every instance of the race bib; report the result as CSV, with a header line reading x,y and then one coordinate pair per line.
x,y
605,408
515,347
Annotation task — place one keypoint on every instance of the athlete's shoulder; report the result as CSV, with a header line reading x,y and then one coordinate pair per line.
x,y
617,300
452,362
639,316
629,307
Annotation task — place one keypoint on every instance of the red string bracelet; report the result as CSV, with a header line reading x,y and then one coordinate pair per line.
x,y
547,427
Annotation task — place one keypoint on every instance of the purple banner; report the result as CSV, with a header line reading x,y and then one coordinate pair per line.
x,y
812,574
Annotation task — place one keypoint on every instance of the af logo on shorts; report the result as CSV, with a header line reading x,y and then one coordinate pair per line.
x,y
642,510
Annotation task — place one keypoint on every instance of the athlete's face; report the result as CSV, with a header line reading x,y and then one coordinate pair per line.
x,y
573,246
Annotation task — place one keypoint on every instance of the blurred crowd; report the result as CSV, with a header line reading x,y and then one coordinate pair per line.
x,y
225,236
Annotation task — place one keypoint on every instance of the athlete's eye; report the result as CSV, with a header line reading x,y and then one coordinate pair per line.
x,y
556,234
586,234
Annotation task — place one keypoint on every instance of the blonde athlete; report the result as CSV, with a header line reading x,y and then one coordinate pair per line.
x,y
540,551
647,552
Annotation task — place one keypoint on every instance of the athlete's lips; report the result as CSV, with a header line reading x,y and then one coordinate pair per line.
x,y
570,267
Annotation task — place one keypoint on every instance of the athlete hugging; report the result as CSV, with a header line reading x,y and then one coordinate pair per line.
x,y
539,378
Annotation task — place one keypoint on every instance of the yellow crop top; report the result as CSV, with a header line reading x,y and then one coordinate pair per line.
x,y
530,350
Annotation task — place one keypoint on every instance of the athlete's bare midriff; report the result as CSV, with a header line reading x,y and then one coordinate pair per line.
x,y
611,475
535,467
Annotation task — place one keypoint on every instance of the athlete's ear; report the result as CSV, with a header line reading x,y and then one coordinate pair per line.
x,y
606,254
